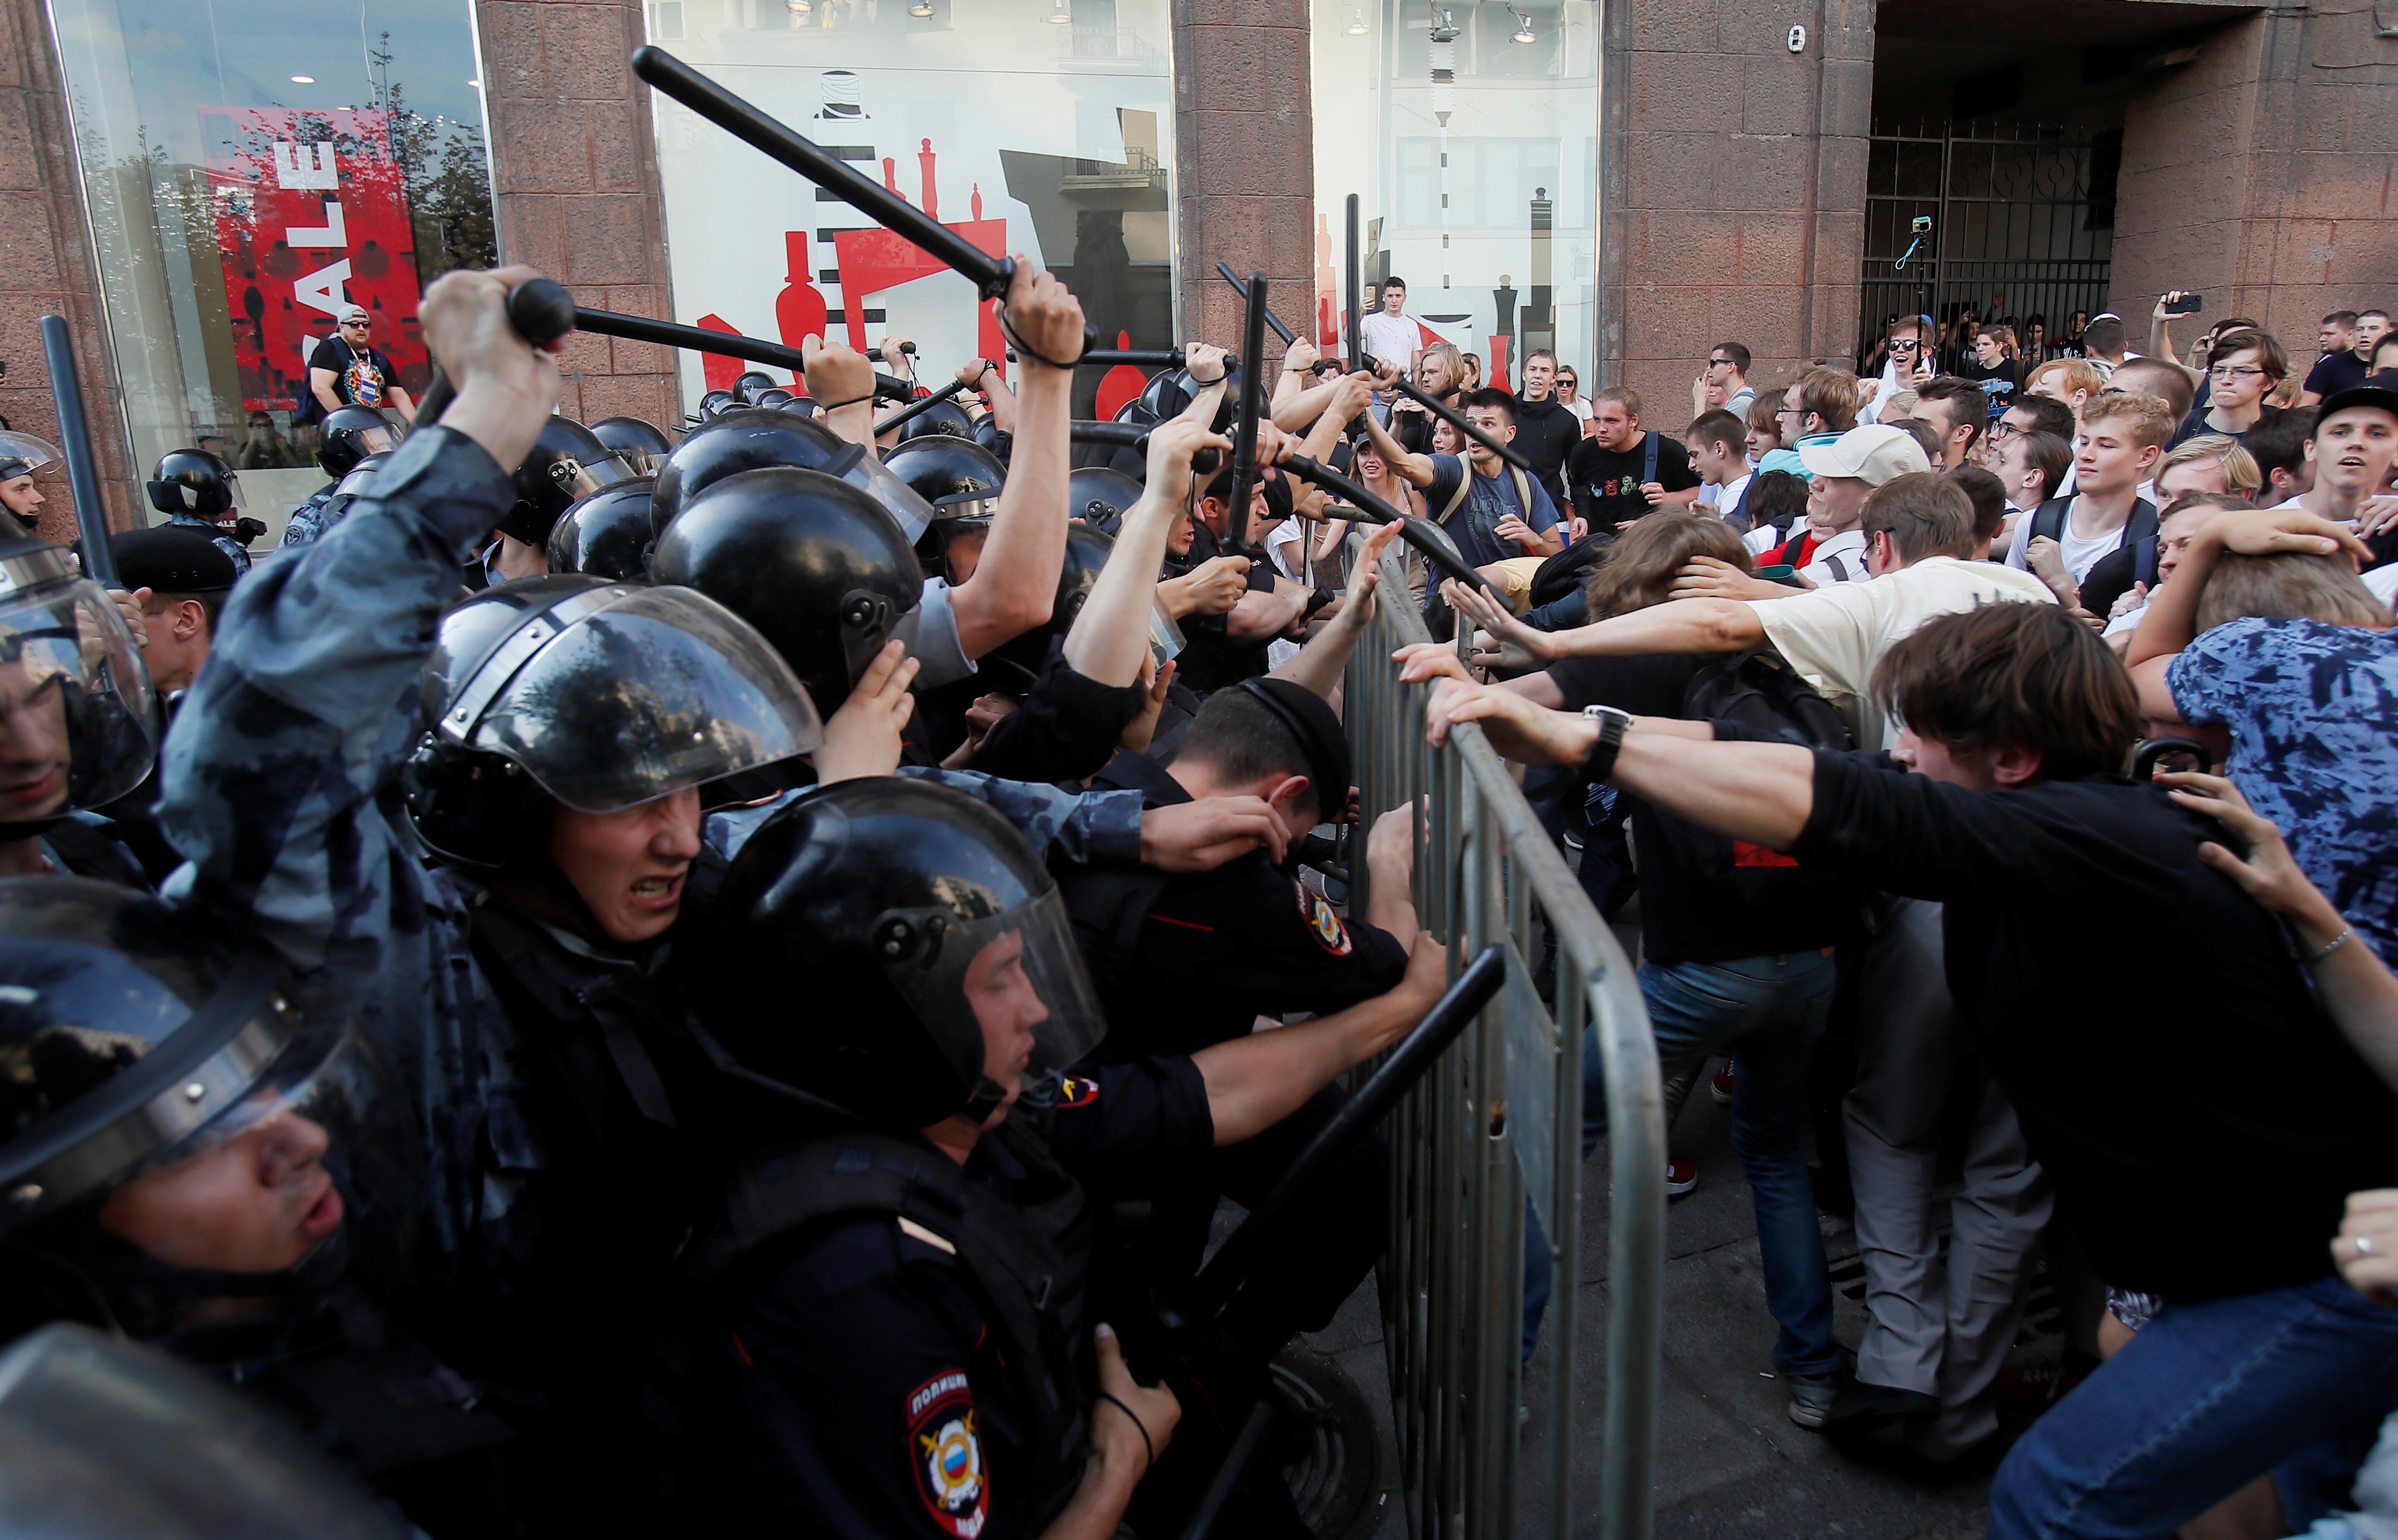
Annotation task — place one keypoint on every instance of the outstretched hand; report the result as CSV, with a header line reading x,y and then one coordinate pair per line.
x,y
2283,531
1517,729
1517,646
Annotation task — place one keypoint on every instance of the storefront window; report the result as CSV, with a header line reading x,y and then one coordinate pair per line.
x,y
250,171
1035,125
1470,134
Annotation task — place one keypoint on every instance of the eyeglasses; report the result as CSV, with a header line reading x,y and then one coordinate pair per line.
x,y
2003,429
2227,371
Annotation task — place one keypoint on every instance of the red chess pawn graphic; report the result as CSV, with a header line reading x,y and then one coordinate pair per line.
x,y
799,310
874,260
1120,385
720,371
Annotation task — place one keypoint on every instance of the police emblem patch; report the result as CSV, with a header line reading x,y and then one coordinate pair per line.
x,y
1322,919
1076,1091
946,1450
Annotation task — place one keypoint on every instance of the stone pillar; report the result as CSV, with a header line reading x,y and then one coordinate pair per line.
x,y
46,266
1245,162
577,185
1733,189
2258,174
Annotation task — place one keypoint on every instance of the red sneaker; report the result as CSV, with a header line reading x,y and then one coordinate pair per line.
x,y
1680,1177
1720,1086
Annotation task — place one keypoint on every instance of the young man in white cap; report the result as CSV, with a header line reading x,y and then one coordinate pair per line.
x,y
347,370
1842,475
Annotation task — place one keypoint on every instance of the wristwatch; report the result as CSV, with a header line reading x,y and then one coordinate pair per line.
x,y
1613,723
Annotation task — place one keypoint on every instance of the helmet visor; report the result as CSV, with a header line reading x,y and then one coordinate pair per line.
x,y
382,438
1165,636
35,453
1014,978
661,689
74,703
899,500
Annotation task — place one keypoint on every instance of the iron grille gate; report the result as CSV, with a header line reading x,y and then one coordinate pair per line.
x,y
2022,224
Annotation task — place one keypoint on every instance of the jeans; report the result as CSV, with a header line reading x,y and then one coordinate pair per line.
x,y
2207,1398
1767,1012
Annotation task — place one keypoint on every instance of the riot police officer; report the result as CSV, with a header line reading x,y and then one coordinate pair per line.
x,y
892,1337
567,462
74,716
21,454
640,445
197,488
200,1150
606,534
350,439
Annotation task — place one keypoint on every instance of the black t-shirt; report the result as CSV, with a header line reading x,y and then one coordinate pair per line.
x,y
1999,381
1679,921
362,376
1607,485
1546,433
2089,948
2335,372
2196,423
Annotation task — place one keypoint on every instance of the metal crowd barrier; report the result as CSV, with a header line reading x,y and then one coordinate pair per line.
x,y
1497,1123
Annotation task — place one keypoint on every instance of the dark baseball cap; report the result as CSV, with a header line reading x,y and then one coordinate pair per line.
x,y
171,558
1321,741
2380,397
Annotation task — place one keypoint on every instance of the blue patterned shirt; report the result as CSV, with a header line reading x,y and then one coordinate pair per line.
x,y
2312,710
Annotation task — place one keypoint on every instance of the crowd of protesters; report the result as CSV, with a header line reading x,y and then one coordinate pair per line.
x,y
714,978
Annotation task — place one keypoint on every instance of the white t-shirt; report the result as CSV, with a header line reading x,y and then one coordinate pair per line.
x,y
1838,559
1835,635
2079,555
2383,581
1580,408
1391,337
1724,499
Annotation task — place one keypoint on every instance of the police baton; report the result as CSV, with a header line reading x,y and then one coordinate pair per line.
x,y
1240,1256
1409,388
1354,316
989,275
1272,320
74,443
900,419
542,312
1171,358
1245,431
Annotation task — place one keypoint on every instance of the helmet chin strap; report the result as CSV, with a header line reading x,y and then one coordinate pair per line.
x,y
29,829
988,1097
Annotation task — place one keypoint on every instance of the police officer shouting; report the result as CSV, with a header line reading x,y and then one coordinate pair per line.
x,y
894,1341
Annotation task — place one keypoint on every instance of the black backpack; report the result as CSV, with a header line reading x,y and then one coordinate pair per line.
x,y
1756,696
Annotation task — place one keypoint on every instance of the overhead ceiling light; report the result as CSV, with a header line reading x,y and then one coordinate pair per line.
x,y
1358,27
797,7
476,84
303,80
1524,27
1059,16
922,7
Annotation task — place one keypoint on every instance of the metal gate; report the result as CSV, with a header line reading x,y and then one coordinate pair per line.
x,y
2013,221
1495,1131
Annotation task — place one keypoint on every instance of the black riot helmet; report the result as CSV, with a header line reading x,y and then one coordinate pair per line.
x,y
601,696
350,433
1100,496
607,535
194,481
807,558
945,419
103,1438
568,462
775,397
1168,392
942,465
879,944
640,445
753,438
716,402
986,433
147,1059
750,383
1086,553
73,695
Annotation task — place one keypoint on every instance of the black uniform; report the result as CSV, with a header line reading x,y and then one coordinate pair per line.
x,y
902,1346
1210,659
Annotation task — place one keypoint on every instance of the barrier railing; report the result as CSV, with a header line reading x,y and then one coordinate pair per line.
x,y
1498,1123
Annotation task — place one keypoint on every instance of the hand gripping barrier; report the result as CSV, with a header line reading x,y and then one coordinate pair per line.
x,y
1499,1122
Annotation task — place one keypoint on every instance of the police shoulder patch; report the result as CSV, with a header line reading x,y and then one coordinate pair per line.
x,y
945,1448
1323,921
1076,1091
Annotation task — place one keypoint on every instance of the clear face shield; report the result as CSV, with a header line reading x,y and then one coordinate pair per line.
x,y
74,699
625,695
899,500
1166,641
1014,979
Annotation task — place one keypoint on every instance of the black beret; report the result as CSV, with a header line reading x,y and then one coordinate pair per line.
x,y
171,558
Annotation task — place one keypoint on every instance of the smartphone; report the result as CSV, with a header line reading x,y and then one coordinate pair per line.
x,y
2188,304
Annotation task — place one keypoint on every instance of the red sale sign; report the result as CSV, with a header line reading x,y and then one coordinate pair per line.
x,y
311,216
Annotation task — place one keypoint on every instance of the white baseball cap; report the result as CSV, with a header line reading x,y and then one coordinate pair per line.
x,y
354,313
1873,454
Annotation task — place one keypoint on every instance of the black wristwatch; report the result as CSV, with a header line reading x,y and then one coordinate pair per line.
x,y
1613,723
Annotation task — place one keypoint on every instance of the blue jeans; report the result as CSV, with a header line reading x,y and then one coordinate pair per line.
x,y
2204,1400
1767,1012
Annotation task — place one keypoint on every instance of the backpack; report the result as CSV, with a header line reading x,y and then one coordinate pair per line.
x,y
1762,698
2139,532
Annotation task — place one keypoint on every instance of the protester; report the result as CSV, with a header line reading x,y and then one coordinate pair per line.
x,y
2122,438
2342,364
1995,366
1718,453
1622,470
1958,409
1819,406
1547,432
347,370
1388,332
2244,367
1727,373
